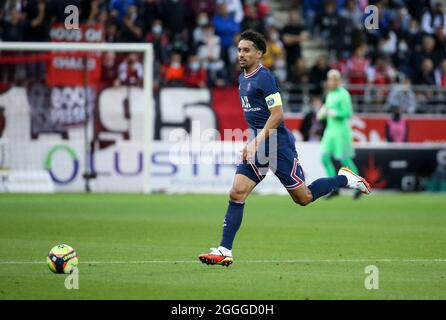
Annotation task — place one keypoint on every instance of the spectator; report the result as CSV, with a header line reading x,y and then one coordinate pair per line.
x,y
234,9
14,27
381,73
201,23
298,74
426,77
173,74
111,31
150,10
13,30
198,6
311,128
299,78
195,75
252,19
353,30
426,74
274,58
417,8
37,16
385,16
402,95
209,56
397,129
275,51
356,68
130,71
175,16
327,23
403,19
293,34
402,57
263,9
182,43
311,9
131,29
440,74
440,42
90,11
109,74
388,44
353,14
232,70
433,19
160,41
161,49
414,35
427,52
318,75
101,17
226,28
210,48
119,8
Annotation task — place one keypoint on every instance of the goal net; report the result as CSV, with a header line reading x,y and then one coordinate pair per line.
x,y
75,117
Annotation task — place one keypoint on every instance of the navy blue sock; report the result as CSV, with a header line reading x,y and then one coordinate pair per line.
x,y
323,186
233,220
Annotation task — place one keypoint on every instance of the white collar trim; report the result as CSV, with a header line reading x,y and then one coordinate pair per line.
x,y
253,72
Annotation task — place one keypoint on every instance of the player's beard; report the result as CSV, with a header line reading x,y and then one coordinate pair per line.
x,y
245,67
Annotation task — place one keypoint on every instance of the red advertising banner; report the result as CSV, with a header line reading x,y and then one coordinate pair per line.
x,y
75,68
366,128
227,106
372,128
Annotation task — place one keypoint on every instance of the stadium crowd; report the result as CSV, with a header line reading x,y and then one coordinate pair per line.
x,y
195,40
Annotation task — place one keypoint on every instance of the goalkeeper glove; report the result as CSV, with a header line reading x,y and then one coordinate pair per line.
x,y
321,113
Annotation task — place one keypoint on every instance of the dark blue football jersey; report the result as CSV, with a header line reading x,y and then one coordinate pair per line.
x,y
258,93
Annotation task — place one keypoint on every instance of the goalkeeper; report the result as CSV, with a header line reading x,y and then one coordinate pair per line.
x,y
337,140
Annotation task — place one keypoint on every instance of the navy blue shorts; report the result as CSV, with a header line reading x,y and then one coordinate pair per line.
x,y
284,164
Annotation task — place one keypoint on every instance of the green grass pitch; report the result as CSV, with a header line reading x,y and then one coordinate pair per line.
x,y
146,247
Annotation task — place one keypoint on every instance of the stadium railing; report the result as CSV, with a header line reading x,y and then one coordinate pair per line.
x,y
371,98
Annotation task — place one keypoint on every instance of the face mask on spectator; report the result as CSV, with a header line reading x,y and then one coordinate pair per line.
x,y
157,29
175,64
402,46
194,66
202,21
274,36
413,30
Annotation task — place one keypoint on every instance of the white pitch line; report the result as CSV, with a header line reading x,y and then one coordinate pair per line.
x,y
244,261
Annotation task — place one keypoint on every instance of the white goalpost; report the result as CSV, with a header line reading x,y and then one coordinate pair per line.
x,y
103,135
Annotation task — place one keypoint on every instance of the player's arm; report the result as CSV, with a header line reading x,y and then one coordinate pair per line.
x,y
274,102
273,122
343,109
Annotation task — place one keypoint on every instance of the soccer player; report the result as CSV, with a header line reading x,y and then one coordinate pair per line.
x,y
262,106
337,141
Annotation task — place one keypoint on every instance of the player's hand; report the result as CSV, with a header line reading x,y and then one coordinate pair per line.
x,y
325,112
331,113
249,151
321,113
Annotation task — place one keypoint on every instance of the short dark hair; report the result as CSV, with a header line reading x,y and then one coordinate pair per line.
x,y
257,38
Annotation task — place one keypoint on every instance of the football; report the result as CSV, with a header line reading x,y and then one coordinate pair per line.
x,y
62,259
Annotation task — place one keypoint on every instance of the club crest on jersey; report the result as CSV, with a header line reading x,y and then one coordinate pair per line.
x,y
270,102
